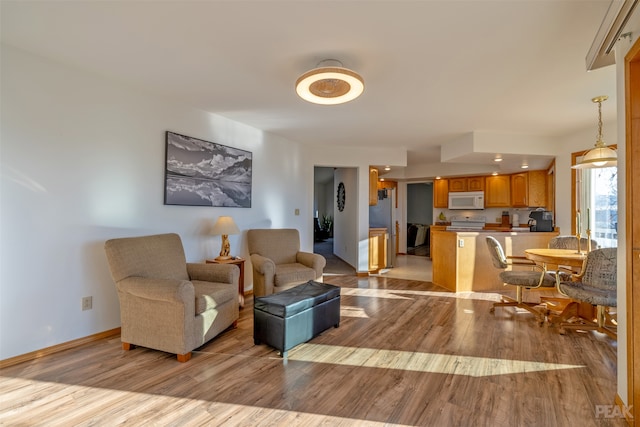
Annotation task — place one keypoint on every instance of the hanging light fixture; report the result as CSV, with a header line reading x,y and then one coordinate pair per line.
x,y
600,156
329,84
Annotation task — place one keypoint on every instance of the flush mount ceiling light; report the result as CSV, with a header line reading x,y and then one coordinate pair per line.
x,y
601,156
329,84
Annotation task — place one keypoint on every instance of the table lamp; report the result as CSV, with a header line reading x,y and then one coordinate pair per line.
x,y
223,227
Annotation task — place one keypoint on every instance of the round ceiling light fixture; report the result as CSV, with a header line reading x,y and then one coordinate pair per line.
x,y
329,84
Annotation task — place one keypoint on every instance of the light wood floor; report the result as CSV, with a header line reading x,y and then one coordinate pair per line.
x,y
406,353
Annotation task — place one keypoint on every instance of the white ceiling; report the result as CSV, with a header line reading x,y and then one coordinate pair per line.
x,y
433,70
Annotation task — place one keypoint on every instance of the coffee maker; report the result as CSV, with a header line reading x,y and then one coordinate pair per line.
x,y
541,221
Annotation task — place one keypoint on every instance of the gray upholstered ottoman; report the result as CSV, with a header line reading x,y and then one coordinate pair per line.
x,y
288,318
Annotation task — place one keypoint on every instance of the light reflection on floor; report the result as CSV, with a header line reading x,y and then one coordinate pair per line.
x,y
410,267
420,362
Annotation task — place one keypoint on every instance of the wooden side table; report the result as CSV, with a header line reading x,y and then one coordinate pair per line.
x,y
240,263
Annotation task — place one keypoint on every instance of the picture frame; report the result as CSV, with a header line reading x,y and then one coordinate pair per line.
x,y
204,173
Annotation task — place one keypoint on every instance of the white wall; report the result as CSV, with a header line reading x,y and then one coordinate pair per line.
x,y
82,161
345,223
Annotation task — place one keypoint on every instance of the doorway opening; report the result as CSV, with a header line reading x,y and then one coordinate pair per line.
x,y
325,211
419,217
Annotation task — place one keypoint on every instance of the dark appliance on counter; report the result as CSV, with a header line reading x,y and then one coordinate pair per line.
x,y
541,221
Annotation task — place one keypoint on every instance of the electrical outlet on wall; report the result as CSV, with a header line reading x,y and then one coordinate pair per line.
x,y
87,303
461,243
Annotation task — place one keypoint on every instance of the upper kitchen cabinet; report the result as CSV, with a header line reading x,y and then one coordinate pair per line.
x,y
529,189
474,183
497,193
441,193
457,184
373,186
520,190
538,189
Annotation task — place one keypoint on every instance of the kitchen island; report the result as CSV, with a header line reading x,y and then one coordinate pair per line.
x,y
461,260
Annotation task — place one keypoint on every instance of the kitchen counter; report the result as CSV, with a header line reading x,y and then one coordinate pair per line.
x,y
461,260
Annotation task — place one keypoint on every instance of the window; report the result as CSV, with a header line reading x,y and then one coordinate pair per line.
x,y
596,197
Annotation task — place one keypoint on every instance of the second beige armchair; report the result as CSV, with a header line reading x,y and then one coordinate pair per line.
x,y
278,263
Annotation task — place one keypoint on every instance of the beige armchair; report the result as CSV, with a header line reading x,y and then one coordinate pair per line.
x,y
278,263
166,303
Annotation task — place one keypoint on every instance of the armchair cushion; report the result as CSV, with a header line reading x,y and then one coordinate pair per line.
x,y
210,295
289,273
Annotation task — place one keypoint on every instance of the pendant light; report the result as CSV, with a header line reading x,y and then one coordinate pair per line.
x,y
600,156
329,84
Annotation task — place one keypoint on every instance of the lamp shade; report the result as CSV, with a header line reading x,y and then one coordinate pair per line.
x,y
225,226
600,156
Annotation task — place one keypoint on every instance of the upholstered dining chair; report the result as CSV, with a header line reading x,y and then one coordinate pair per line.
x,y
277,262
596,285
534,277
569,242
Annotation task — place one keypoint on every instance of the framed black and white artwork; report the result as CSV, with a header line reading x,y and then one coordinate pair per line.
x,y
203,173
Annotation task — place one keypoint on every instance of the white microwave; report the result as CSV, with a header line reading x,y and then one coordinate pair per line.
x,y
465,200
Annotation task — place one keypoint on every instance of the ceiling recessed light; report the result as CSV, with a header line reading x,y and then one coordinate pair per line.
x,y
381,179
497,159
438,177
495,173
329,84
387,168
525,166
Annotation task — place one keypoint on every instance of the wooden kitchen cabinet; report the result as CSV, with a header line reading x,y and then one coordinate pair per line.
x,y
457,184
377,249
529,189
475,183
538,189
373,186
520,190
441,193
497,193
433,229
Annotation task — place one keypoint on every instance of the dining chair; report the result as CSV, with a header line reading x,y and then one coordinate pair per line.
x,y
569,242
596,285
533,278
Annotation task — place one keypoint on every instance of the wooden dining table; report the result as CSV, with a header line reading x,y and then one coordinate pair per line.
x,y
567,257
